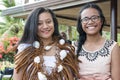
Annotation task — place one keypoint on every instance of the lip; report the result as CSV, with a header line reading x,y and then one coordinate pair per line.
x,y
46,31
91,27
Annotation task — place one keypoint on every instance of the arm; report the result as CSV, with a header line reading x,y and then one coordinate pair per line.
x,y
115,65
17,76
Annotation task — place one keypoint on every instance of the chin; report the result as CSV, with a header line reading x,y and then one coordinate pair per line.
x,y
92,33
46,37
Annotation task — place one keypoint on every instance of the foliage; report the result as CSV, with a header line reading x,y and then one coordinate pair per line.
x,y
74,34
106,34
8,3
10,25
6,49
10,29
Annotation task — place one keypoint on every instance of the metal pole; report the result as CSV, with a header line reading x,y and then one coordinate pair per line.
x,y
114,20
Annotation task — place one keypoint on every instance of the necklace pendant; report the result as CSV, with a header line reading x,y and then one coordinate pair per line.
x,y
48,48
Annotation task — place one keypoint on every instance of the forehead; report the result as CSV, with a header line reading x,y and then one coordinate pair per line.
x,y
89,12
44,16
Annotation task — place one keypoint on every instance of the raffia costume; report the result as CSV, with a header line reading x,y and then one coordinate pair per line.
x,y
65,68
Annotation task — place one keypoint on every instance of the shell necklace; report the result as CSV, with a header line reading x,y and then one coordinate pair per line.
x,y
37,59
49,46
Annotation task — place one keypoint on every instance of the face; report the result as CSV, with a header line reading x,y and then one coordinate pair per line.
x,y
45,26
91,22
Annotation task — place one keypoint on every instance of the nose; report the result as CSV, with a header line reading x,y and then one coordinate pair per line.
x,y
45,25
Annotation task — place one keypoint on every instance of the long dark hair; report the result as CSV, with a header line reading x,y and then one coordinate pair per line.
x,y
81,32
31,26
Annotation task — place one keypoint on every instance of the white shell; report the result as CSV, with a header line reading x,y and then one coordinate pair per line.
x,y
41,76
63,54
37,59
60,68
48,48
61,41
36,44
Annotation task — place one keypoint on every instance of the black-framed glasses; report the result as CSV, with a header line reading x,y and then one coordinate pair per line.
x,y
94,18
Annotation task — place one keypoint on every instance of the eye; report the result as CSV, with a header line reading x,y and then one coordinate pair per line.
x,y
85,19
39,23
48,21
94,18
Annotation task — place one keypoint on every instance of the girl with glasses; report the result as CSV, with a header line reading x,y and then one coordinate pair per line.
x,y
100,57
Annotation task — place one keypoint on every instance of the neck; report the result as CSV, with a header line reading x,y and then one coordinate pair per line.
x,y
94,38
47,41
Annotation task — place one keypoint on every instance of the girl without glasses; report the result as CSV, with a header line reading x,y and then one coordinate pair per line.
x,y
100,57
42,53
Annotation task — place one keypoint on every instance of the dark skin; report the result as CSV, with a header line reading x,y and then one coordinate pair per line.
x,y
96,40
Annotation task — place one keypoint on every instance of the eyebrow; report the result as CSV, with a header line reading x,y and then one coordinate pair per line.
x,y
90,17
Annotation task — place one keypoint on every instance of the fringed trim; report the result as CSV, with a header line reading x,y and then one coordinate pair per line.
x,y
25,61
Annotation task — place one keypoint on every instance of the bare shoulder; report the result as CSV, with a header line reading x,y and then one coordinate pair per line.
x,y
116,54
115,62
17,75
116,50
